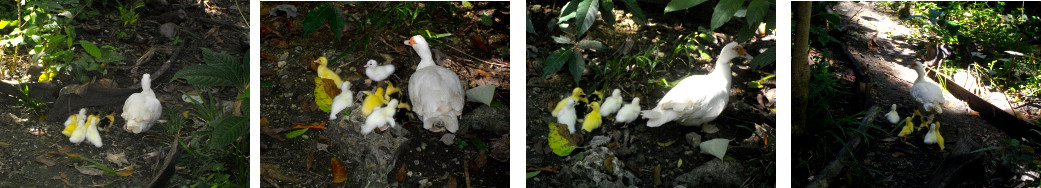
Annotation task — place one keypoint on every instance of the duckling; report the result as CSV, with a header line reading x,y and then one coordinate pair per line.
x,y
576,94
72,122
342,101
567,115
80,133
142,109
371,101
908,128
390,91
612,103
934,137
697,99
436,92
592,120
380,117
629,112
107,121
892,116
597,96
378,72
92,131
325,72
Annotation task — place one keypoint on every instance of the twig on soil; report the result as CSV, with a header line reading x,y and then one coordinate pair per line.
x,y
144,58
211,21
478,59
166,65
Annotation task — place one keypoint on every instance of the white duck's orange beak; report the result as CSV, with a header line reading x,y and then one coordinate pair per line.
x,y
741,52
410,41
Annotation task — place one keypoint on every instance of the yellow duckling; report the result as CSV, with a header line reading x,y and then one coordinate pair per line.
x,y
72,122
592,120
576,95
934,135
372,100
908,128
390,91
325,72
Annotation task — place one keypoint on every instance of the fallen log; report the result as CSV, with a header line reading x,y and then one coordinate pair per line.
x,y
834,168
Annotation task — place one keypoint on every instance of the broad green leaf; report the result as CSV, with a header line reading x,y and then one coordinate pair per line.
x,y
226,130
220,70
533,173
530,28
90,48
336,21
590,44
724,11
636,11
756,10
568,12
5,23
675,5
562,39
746,33
764,59
715,147
557,142
296,133
321,98
578,64
315,18
486,20
607,12
555,61
467,4
586,15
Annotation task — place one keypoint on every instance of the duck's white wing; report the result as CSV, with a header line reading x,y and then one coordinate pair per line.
x,y
436,91
929,94
697,99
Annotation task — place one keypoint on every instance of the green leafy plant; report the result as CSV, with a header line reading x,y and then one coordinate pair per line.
x,y
755,13
220,70
584,13
322,14
127,14
97,58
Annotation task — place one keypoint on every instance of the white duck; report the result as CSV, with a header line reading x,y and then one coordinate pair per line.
x,y
92,131
567,115
927,94
380,117
436,92
629,112
342,101
612,103
892,116
142,109
378,72
80,133
698,98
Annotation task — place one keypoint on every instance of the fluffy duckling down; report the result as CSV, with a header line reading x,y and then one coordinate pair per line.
x,y
612,103
80,133
934,137
576,95
378,72
342,101
72,122
371,101
141,110
892,116
908,128
380,117
325,72
92,131
567,115
592,120
629,112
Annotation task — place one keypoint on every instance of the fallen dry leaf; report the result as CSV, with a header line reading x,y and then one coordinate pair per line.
x,y
72,154
273,132
264,122
125,173
44,160
90,171
118,158
401,174
482,72
898,154
657,175
339,172
271,170
300,125
268,57
310,159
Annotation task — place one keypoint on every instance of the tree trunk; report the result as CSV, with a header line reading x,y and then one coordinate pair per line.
x,y
800,66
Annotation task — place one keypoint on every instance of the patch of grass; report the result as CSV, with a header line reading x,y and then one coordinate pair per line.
x,y
127,14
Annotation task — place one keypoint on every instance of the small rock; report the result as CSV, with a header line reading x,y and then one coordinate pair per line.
x,y
322,147
281,64
694,139
448,139
168,30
